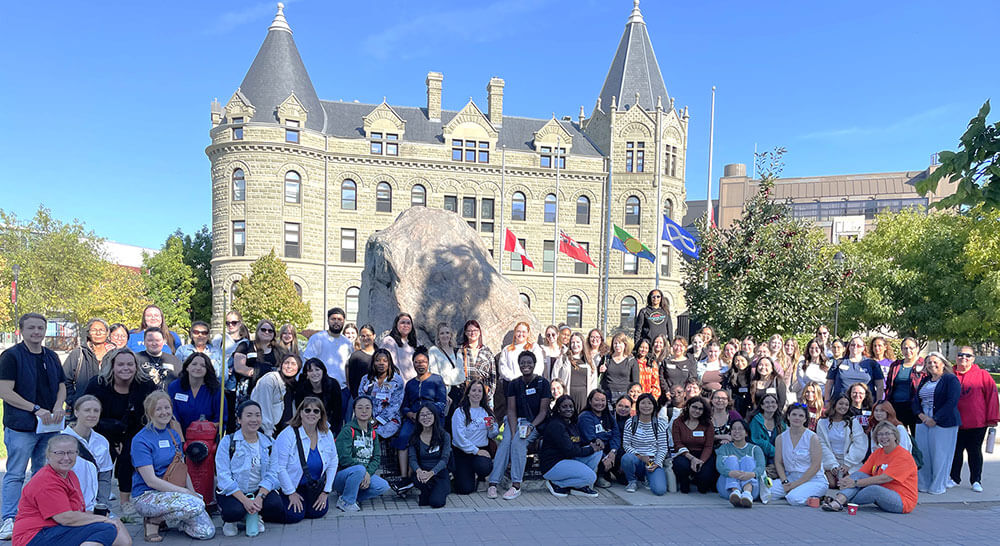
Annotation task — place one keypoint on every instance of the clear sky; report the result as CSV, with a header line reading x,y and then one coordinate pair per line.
x,y
106,105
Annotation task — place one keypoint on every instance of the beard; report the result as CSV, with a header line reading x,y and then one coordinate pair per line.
x,y
336,329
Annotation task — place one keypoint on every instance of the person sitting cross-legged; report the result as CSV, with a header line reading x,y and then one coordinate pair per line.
x,y
888,479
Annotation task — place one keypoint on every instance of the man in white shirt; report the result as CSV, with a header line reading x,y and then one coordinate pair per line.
x,y
334,350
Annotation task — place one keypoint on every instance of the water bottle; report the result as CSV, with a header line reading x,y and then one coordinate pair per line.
x,y
991,439
252,524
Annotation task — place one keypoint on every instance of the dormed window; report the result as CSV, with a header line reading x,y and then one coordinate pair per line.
x,y
383,197
385,143
239,185
292,131
348,195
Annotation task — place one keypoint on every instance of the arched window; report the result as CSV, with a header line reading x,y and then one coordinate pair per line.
x,y
628,312
574,312
550,208
582,210
293,187
668,209
239,185
383,197
517,206
348,195
351,302
526,300
298,289
633,214
233,288
418,196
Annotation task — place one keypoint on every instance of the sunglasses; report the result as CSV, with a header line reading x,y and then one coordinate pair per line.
x,y
267,330
199,332
965,355
311,410
232,322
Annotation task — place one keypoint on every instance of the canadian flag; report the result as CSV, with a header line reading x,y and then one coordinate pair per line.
x,y
511,244
573,249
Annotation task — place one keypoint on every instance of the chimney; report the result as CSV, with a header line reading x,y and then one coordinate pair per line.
x,y
494,96
217,113
434,80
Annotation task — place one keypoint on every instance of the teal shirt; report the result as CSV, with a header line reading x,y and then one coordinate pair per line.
x,y
749,450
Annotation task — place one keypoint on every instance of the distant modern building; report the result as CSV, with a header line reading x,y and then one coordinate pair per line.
x,y
129,256
314,179
843,205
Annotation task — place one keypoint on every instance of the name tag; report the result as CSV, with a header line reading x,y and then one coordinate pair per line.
x,y
844,367
181,397
529,392
771,390
698,433
434,449
163,443
672,366
866,413
599,428
744,389
381,395
251,355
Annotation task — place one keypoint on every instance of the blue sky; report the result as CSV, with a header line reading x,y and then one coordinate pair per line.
x,y
107,104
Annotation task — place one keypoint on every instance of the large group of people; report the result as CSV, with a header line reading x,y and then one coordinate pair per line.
x,y
264,430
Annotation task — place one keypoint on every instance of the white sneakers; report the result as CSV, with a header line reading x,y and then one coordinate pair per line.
x,y
230,529
344,507
977,487
7,529
951,483
632,487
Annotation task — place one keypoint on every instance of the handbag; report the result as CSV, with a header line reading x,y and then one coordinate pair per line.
x,y
313,486
177,471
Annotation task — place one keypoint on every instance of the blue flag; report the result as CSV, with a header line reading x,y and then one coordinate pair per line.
x,y
679,238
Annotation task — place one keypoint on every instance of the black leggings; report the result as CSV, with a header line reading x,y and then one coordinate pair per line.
x,y
434,493
308,512
702,479
469,469
904,412
970,440
123,468
233,510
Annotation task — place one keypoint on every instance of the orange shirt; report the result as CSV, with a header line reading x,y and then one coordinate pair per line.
x,y
900,467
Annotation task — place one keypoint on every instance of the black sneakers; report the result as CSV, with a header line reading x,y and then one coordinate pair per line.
x,y
584,492
556,490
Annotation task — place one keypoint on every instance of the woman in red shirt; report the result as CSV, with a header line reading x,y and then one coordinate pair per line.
x,y
888,479
694,436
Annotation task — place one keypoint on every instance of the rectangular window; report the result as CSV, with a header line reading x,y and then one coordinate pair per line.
x,y
292,191
384,143
470,151
486,215
634,156
392,144
515,259
348,245
546,159
456,150
582,268
639,154
291,131
469,210
293,247
484,152
548,256
629,156
665,260
451,203
237,128
631,265
548,153
239,237
671,167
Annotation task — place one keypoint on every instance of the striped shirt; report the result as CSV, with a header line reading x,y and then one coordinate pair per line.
x,y
644,441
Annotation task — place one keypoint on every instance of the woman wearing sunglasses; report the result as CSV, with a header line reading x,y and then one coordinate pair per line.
x,y
305,454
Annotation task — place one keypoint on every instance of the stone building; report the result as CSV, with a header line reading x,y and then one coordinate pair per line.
x,y
313,179
844,206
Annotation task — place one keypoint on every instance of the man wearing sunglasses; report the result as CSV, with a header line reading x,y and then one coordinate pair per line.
x,y
199,344
980,409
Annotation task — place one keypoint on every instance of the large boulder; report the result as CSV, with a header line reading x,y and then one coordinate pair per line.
x,y
431,264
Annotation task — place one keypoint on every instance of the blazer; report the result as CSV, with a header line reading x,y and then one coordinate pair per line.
x,y
286,458
946,395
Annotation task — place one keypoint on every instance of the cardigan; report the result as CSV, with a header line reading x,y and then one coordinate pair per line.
x,y
946,396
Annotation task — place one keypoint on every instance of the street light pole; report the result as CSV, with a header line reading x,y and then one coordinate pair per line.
x,y
16,269
839,259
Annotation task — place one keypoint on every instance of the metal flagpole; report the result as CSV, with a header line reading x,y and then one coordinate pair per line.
x,y
555,242
711,142
503,197
659,199
607,247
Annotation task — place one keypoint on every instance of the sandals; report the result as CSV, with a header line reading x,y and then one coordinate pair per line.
x,y
832,505
152,528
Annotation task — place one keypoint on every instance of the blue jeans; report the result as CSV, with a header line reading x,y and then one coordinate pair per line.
x,y
577,472
635,470
21,448
347,483
513,450
886,499
744,464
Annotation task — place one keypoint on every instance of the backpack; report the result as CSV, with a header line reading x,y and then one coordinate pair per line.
x,y
918,456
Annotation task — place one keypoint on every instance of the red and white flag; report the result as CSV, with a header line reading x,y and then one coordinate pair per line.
x,y
511,244
573,249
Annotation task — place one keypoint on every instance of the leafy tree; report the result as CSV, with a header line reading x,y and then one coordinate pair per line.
x,y
60,263
766,274
198,256
170,283
269,293
119,296
6,307
976,165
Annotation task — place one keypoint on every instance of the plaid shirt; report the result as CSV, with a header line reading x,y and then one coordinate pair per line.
x,y
482,368
649,377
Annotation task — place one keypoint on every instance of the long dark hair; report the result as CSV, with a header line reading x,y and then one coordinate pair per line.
x,y
466,405
607,417
653,421
559,402
211,380
302,384
706,411
411,338
372,375
663,300
472,322
437,433
168,336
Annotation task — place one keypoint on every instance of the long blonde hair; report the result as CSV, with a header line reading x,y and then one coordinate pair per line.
x,y
583,352
527,340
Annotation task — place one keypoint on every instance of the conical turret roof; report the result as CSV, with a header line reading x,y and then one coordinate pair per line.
x,y
634,68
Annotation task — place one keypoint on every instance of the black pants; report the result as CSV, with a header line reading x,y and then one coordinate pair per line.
x,y
970,440
308,512
702,479
434,493
469,469
904,412
123,468
232,509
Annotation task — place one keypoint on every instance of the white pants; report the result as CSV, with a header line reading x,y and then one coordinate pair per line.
x,y
815,487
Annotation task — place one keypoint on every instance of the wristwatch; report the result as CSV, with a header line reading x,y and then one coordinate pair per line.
x,y
36,408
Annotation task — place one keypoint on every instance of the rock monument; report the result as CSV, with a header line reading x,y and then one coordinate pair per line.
x,y
431,264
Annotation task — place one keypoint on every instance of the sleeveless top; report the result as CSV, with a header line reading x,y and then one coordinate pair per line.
x,y
796,458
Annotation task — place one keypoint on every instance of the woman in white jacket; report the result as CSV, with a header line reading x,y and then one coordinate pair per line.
x,y
305,455
275,393
507,359
575,369
843,439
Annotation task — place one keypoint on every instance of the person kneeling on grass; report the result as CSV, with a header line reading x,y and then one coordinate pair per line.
x,y
741,467
888,478
568,466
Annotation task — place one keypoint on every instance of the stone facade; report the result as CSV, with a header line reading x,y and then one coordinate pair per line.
x,y
268,130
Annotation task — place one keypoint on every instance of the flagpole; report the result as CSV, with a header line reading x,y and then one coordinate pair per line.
x,y
503,234
555,241
711,143
659,199
607,246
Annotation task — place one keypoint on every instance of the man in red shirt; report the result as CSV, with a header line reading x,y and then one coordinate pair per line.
x,y
51,509
980,409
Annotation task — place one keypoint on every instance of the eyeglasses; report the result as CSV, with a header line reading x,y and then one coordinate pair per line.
x,y
267,330
199,332
966,355
232,322
311,410
62,454
98,331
